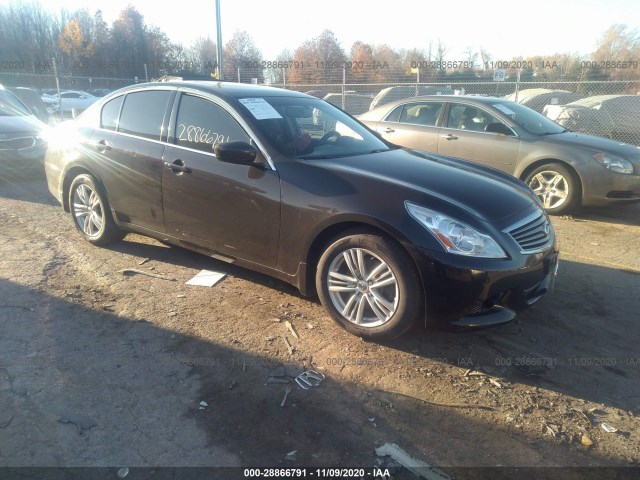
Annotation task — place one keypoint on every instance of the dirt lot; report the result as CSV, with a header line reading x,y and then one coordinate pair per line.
x,y
130,358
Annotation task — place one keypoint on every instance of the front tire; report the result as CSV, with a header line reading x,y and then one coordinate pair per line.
x,y
90,212
369,285
556,186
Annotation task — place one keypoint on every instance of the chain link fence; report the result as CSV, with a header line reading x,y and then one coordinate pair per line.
x,y
608,109
605,108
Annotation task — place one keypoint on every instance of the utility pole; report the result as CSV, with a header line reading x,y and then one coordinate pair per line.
x,y
219,39
55,73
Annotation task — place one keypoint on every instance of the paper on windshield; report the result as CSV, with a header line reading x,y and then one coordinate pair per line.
x,y
504,109
260,108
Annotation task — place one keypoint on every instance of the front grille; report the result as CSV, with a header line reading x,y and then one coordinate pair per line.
x,y
533,234
17,143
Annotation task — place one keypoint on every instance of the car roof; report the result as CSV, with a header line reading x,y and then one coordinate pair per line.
x,y
598,99
448,98
224,90
22,89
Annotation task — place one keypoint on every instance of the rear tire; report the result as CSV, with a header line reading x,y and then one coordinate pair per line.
x,y
556,186
369,285
90,212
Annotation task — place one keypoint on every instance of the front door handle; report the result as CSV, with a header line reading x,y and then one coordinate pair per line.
x,y
450,136
389,130
177,167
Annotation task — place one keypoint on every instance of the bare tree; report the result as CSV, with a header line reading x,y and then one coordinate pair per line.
x,y
201,56
471,57
241,53
321,60
361,62
485,58
280,74
441,52
618,44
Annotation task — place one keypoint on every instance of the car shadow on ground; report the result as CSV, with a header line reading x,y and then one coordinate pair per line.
x,y
27,186
616,214
89,387
147,248
581,335
579,340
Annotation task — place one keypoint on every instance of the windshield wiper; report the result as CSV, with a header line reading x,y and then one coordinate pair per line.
x,y
341,155
322,157
379,150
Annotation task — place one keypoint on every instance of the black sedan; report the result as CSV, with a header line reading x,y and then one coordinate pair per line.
x,y
242,173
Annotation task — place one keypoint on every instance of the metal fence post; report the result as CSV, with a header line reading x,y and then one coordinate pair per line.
x,y
344,80
517,84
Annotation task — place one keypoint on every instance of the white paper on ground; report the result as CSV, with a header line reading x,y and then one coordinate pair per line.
x,y
206,278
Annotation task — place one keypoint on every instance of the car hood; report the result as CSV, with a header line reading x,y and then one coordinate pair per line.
x,y
592,142
27,123
487,194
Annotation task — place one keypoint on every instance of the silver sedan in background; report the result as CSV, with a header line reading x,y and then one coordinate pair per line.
x,y
563,168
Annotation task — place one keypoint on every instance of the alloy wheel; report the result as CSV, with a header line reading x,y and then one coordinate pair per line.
x,y
88,210
362,287
551,187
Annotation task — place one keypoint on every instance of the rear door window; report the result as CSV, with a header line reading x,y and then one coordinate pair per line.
x,y
201,125
394,116
110,113
143,113
425,114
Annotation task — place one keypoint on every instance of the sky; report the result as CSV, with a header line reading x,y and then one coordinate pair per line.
x,y
506,29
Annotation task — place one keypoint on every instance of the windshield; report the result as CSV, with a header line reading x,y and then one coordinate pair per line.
x,y
528,119
10,106
310,128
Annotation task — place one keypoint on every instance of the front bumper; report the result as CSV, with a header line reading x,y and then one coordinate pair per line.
x,y
24,158
602,187
491,292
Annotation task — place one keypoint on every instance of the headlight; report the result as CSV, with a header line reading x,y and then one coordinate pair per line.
x,y
455,236
613,163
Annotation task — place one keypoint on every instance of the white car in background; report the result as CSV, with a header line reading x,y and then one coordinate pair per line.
x,y
69,101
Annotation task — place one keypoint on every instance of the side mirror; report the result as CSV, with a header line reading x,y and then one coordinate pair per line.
x,y
498,128
235,152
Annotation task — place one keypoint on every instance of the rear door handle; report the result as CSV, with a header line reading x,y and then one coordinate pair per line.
x,y
450,136
102,146
389,130
177,167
